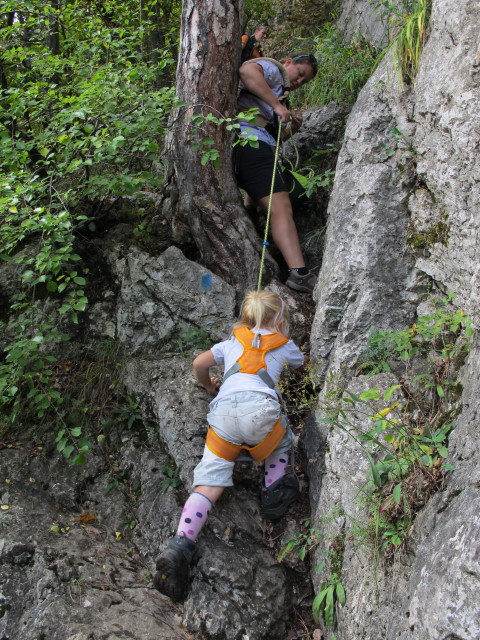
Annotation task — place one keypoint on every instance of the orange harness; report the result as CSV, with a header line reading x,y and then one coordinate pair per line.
x,y
229,451
252,360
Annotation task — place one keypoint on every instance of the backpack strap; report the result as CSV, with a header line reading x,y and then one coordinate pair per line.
x,y
247,49
279,65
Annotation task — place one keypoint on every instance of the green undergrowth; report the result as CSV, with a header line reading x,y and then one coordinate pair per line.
x,y
403,434
303,544
81,400
84,106
403,431
299,391
407,26
343,69
345,65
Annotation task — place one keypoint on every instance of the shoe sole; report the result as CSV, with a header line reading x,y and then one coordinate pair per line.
x,y
275,514
298,287
171,578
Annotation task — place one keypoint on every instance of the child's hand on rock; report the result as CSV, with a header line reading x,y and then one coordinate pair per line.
x,y
214,386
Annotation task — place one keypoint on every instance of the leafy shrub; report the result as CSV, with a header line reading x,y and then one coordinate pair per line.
x,y
343,69
84,102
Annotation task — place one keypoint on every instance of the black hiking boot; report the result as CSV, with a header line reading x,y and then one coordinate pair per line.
x,y
305,284
279,496
173,567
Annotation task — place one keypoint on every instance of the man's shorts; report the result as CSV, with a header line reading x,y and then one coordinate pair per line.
x,y
254,169
245,417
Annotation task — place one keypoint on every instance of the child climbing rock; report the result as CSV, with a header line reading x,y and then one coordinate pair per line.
x,y
245,415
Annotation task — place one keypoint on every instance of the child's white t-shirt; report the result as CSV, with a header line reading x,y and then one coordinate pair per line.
x,y
228,352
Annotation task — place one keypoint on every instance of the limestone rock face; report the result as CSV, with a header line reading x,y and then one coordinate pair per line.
x,y
404,211
366,18
446,144
367,278
161,296
64,577
321,126
228,598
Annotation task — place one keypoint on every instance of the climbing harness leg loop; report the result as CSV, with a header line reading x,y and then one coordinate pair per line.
x,y
229,451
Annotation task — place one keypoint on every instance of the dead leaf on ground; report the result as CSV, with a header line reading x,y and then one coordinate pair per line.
x,y
85,517
92,531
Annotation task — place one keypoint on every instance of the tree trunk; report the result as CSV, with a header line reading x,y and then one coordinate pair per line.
x,y
53,33
205,199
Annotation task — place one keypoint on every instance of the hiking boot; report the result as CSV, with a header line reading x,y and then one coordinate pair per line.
x,y
173,567
279,496
305,284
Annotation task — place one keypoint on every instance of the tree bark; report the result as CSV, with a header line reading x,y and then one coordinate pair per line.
x,y
206,202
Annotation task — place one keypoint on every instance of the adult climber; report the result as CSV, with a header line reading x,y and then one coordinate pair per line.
x,y
264,84
251,45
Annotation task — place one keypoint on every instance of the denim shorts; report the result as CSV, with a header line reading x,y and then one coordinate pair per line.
x,y
245,417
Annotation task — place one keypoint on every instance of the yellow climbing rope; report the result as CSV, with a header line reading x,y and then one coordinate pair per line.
x,y
267,224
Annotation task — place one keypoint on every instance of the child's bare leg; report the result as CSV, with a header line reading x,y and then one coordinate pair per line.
x,y
212,493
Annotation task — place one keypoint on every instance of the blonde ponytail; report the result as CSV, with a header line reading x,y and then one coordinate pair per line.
x,y
266,310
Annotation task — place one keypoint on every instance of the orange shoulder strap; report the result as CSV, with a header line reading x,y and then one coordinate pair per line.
x,y
253,358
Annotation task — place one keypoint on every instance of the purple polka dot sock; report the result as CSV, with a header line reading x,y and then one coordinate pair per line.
x,y
194,514
275,467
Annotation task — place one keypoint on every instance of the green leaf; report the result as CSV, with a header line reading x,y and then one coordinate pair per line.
x,y
388,393
67,452
317,603
27,275
440,391
84,445
370,394
329,609
397,493
78,460
340,593
76,431
375,475
303,180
